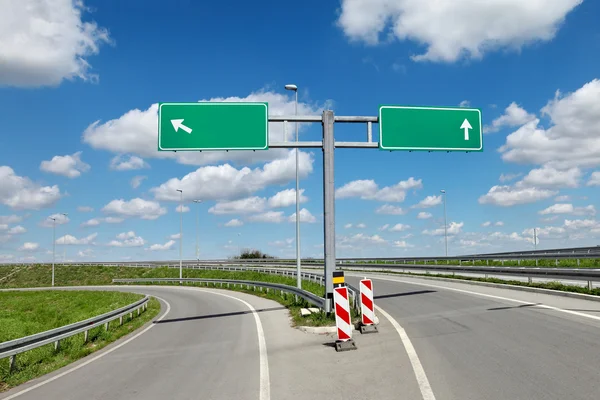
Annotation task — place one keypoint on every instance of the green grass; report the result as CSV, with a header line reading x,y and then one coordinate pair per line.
x,y
39,275
26,313
45,359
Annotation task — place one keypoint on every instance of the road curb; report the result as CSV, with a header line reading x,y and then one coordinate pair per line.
x,y
318,330
581,296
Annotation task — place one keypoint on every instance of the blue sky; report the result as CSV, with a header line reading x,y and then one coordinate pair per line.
x,y
79,87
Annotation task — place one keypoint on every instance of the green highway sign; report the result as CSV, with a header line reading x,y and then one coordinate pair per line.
x,y
213,126
430,128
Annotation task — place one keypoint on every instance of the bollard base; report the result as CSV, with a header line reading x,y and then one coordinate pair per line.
x,y
368,329
345,345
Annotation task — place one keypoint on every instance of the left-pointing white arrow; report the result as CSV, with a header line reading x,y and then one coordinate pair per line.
x,y
178,124
466,126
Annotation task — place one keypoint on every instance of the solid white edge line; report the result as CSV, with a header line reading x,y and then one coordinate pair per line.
x,y
265,384
491,296
422,381
12,396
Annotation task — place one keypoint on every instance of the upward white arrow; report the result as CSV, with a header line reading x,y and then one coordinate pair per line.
x,y
466,126
178,124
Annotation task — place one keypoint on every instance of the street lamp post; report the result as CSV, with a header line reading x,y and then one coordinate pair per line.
x,y
445,222
65,242
180,237
298,274
53,246
197,224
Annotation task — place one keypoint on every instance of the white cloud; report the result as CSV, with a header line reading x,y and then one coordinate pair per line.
x,y
513,116
162,247
282,243
136,181
499,223
29,246
348,226
562,198
454,30
3,227
567,208
486,224
247,205
429,201
507,196
184,209
384,227
594,179
225,182
424,215
548,176
454,228
113,220
16,230
399,228
361,226
369,190
21,193
121,163
69,166
233,223
85,253
388,209
58,219
72,240
136,132
269,216
509,177
10,219
305,216
464,103
139,208
127,239
572,139
175,236
85,209
286,198
43,42
360,239
91,222
402,244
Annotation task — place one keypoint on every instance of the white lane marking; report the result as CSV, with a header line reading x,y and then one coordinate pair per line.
x,y
265,384
417,367
91,360
491,296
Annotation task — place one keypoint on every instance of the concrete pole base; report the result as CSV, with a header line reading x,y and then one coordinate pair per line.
x,y
345,345
368,329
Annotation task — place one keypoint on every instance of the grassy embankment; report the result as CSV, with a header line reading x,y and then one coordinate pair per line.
x,y
40,276
26,313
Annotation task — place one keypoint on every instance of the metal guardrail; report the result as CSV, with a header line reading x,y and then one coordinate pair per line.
x,y
20,345
306,295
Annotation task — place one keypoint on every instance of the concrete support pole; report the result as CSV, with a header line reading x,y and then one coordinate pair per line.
x,y
328,206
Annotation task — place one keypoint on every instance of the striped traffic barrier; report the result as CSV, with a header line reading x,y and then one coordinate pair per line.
x,y
343,318
367,307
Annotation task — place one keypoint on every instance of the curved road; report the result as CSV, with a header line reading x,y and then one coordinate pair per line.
x,y
471,342
208,347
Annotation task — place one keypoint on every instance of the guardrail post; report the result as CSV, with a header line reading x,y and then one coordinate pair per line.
x,y
590,286
529,280
578,262
138,312
12,360
556,263
57,345
130,316
519,262
106,326
120,320
86,336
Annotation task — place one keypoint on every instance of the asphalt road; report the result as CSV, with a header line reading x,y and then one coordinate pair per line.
x,y
207,347
485,343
